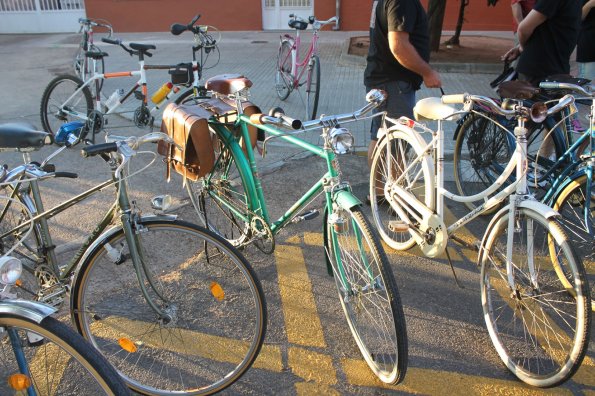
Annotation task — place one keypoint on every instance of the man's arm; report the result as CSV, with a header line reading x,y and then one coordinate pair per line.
x,y
406,54
517,12
586,8
528,25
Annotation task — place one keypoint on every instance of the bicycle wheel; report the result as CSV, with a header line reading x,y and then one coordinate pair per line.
x,y
577,218
481,153
58,360
395,153
220,199
283,76
56,108
369,295
215,305
540,331
313,87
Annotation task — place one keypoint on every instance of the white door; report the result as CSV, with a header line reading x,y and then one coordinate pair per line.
x,y
40,16
275,13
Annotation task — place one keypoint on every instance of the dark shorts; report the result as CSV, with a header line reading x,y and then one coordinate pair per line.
x,y
400,102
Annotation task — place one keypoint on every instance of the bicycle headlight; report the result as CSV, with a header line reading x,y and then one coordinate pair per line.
x,y
10,270
341,140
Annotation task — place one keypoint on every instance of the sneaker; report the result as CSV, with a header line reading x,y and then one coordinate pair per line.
x,y
576,125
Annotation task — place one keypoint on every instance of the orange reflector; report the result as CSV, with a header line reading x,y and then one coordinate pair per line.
x,y
217,291
19,283
19,381
127,345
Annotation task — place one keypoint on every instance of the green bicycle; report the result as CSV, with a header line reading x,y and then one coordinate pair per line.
x,y
230,201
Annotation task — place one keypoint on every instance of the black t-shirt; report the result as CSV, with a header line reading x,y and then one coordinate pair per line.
x,y
548,50
395,16
585,49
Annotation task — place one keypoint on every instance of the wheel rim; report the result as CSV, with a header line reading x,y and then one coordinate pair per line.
x,y
532,327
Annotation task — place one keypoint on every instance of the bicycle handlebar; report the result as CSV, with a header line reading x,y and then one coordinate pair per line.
x,y
374,98
565,101
568,86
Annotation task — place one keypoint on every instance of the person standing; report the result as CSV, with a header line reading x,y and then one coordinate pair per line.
x,y
398,57
547,37
585,51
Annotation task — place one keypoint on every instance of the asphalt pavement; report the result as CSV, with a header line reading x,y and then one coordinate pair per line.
x,y
450,351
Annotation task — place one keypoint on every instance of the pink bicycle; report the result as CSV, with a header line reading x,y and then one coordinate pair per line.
x,y
292,73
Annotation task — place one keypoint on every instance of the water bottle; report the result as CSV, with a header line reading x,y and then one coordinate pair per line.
x,y
114,100
161,93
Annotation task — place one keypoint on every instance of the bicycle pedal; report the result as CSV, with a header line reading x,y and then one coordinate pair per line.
x,y
398,226
53,295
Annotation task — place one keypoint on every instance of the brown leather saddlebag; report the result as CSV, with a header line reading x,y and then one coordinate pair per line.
x,y
188,127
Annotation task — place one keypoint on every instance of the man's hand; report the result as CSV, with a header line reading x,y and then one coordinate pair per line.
x,y
512,54
432,79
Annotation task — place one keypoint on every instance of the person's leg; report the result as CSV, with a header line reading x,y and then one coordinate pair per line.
x,y
586,70
399,102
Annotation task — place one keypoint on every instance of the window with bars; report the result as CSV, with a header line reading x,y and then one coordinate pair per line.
x,y
295,3
288,3
44,5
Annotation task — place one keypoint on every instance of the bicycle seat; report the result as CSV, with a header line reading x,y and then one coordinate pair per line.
x,y
22,137
227,84
433,109
142,47
95,54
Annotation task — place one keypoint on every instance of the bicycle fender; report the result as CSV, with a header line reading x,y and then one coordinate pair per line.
x,y
31,310
533,205
567,181
346,199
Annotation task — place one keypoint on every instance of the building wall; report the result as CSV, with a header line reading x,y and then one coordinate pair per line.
x,y
158,15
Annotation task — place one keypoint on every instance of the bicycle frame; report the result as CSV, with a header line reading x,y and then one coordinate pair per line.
x,y
299,67
31,197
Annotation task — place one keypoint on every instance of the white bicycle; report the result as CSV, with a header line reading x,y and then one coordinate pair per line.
x,y
539,326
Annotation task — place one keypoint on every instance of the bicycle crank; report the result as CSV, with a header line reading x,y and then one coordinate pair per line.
x,y
434,236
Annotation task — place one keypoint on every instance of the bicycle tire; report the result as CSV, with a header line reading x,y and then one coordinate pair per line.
x,y
216,304
283,76
220,198
481,153
52,109
570,203
418,182
188,98
313,87
540,331
384,346
61,363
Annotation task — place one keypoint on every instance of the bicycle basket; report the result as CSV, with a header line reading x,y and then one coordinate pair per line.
x,y
182,74
297,24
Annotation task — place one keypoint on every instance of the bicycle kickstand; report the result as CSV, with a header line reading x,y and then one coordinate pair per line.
x,y
453,269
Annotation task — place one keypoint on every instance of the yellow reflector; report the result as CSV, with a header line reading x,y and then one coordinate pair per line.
x,y
217,291
127,345
19,381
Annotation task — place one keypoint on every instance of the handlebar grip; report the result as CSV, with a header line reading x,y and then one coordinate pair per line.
x,y
68,175
453,99
111,41
549,85
278,112
97,149
257,118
